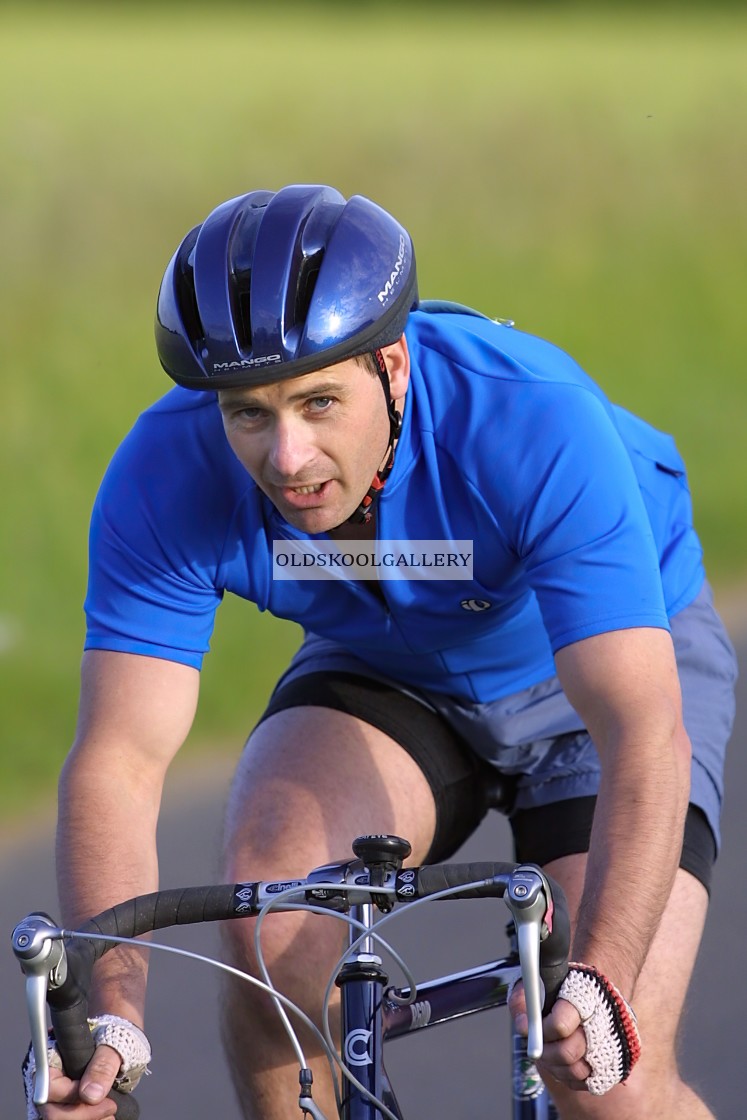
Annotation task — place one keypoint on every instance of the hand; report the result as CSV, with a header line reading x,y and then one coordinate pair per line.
x,y
564,1041
565,1047
88,1098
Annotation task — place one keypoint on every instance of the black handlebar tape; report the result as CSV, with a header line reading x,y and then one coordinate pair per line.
x,y
149,912
442,876
554,950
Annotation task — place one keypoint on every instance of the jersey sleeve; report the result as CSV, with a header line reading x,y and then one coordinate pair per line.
x,y
576,516
155,545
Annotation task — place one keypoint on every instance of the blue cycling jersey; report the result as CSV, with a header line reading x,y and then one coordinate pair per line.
x,y
579,513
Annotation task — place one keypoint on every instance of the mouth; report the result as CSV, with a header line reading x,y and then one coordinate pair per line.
x,y
305,497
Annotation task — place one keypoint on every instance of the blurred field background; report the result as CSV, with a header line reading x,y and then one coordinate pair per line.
x,y
578,169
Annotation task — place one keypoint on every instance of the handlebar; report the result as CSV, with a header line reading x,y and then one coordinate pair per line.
x,y
59,968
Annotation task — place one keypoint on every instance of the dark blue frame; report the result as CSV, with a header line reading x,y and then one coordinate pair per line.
x,y
370,1019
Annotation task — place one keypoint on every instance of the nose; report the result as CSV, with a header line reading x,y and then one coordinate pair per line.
x,y
291,450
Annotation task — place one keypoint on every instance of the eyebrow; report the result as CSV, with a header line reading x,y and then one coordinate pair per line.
x,y
326,388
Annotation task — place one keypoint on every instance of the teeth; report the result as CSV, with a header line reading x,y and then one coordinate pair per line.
x,y
307,489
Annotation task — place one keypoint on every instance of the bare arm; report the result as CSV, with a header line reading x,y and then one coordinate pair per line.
x,y
135,713
625,687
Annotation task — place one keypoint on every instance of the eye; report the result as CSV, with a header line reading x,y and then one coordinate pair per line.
x,y
320,404
241,418
245,414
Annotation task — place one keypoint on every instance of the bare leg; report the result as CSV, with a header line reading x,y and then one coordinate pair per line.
x,y
655,1089
309,782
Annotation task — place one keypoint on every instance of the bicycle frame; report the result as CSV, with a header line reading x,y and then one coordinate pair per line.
x,y
370,1017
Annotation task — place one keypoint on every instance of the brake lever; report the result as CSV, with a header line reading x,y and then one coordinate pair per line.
x,y
40,952
527,899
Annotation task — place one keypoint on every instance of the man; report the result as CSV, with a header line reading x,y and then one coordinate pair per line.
x,y
561,656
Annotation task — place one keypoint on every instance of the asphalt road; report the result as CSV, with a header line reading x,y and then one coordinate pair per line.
x,y
459,1069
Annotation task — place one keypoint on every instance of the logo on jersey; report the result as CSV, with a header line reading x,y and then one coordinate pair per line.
x,y
475,605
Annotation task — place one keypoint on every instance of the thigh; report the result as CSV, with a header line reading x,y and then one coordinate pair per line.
x,y
312,779
658,999
463,785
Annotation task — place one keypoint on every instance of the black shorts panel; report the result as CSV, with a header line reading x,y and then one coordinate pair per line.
x,y
463,784
563,828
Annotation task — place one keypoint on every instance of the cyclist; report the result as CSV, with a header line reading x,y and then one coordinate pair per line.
x,y
317,403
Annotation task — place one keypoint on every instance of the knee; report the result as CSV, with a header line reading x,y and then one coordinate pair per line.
x,y
647,1092
298,951
281,945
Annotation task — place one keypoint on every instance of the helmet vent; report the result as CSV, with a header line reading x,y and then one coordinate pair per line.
x,y
185,291
307,278
243,312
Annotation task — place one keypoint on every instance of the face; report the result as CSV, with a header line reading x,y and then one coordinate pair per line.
x,y
312,443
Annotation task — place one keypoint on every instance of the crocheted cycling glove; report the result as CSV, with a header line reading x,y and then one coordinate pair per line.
x,y
108,1030
613,1044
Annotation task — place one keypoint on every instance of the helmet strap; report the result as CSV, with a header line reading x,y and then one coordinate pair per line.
x,y
363,515
395,420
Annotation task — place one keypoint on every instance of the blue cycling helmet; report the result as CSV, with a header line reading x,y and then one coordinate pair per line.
x,y
273,285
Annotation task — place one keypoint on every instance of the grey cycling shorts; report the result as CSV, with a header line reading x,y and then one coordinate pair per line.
x,y
536,735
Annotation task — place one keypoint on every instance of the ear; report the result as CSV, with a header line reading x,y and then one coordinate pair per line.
x,y
397,358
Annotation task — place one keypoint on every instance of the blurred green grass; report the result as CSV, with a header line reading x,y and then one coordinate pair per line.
x,y
580,170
